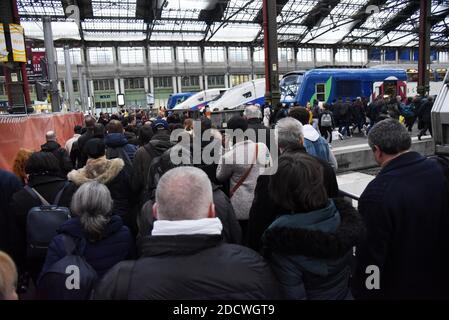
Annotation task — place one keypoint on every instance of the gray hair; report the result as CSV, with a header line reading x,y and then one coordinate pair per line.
x,y
183,193
92,202
252,112
390,136
288,132
50,136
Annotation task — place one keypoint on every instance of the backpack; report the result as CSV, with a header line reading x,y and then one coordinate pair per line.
x,y
154,174
119,152
42,223
407,111
326,120
70,278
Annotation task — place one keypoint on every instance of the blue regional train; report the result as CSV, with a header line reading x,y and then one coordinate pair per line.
x,y
323,85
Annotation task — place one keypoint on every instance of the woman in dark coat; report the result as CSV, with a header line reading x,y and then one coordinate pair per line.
x,y
43,173
108,172
309,247
107,241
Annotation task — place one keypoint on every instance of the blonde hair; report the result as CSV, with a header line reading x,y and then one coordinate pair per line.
x,y
8,273
20,161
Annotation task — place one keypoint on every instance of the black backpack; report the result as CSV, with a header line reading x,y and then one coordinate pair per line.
x,y
43,221
119,152
70,278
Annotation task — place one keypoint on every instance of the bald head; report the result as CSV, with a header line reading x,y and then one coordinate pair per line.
x,y
89,121
252,112
50,136
184,193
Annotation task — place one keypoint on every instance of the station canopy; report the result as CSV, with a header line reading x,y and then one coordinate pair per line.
x,y
300,22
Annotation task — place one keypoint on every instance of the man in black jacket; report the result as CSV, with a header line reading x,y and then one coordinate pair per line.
x,y
51,145
86,136
263,209
254,117
185,257
405,208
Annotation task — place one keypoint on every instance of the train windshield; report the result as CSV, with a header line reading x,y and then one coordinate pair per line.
x,y
289,87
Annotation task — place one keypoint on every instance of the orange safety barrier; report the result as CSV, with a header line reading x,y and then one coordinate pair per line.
x,y
28,131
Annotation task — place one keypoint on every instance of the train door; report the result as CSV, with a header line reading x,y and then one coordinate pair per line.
x,y
378,90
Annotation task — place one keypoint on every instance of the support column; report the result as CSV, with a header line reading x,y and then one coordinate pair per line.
x,y
206,84
272,93
152,85
116,86
179,84
51,64
175,84
122,86
68,78
83,88
424,47
145,84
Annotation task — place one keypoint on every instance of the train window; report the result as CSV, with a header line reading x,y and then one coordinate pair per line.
x,y
320,90
349,88
247,94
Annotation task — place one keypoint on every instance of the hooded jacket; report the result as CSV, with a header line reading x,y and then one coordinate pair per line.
x,y
116,244
61,154
118,140
143,157
109,173
310,253
317,146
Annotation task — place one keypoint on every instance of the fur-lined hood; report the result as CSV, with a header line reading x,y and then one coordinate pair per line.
x,y
316,243
101,170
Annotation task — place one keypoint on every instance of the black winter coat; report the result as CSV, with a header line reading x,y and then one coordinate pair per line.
x,y
9,184
22,202
111,174
193,267
257,125
264,211
81,142
143,157
61,154
310,253
405,209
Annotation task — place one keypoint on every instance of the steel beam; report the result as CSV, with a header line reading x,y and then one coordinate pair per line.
x,y
424,47
51,64
272,94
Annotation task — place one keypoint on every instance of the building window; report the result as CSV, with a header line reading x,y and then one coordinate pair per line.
x,y
359,55
74,54
216,80
342,55
214,54
259,55
101,55
239,78
104,85
188,54
443,56
238,54
163,82
2,89
131,55
323,55
161,55
76,86
190,81
136,83
304,55
320,90
285,54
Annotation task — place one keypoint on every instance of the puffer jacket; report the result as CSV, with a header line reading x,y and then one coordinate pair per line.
x,y
61,154
233,166
109,173
115,245
310,253
210,270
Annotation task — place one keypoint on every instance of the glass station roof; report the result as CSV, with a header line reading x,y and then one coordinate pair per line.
x,y
345,22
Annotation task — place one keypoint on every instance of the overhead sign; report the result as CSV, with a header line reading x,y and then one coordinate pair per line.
x,y
120,100
17,42
3,50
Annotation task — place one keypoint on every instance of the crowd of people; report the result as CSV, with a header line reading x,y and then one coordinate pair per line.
x,y
351,116
136,224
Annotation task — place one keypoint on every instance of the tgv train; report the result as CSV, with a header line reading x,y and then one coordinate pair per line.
x,y
200,99
326,85
251,92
